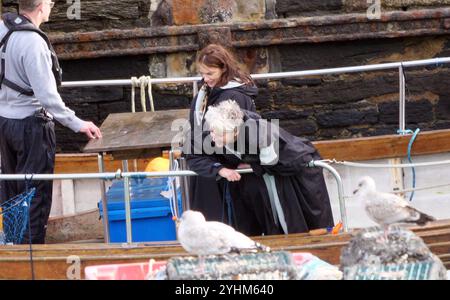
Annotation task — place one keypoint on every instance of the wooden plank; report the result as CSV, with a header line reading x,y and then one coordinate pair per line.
x,y
88,163
50,261
355,149
141,130
386,146
440,248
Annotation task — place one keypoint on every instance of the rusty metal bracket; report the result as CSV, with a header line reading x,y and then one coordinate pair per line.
x,y
168,39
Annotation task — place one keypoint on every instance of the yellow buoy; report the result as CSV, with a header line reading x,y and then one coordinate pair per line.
x,y
157,164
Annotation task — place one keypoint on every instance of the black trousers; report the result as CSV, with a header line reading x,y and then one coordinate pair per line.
x,y
28,146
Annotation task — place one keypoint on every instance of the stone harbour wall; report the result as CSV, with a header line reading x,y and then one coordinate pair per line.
x,y
328,34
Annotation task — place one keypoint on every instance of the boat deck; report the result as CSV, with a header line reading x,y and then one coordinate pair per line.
x,y
66,261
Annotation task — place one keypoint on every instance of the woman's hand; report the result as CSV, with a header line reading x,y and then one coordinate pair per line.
x,y
229,174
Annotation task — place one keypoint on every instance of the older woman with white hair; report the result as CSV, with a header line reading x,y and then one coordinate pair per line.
x,y
294,195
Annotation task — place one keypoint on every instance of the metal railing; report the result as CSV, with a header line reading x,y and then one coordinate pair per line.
x,y
279,75
126,176
194,80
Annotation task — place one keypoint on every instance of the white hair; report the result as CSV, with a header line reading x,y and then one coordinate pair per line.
x,y
225,117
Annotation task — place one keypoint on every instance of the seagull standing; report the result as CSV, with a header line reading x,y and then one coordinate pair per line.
x,y
385,208
197,236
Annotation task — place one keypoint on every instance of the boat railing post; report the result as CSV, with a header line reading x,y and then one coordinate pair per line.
x,y
173,182
184,184
126,191
340,186
401,118
101,169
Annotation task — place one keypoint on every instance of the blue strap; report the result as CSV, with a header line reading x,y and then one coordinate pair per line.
x,y
411,141
229,202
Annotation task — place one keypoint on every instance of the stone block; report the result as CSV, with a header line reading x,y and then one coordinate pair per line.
x,y
287,114
186,11
335,91
105,9
249,11
416,112
347,117
105,68
180,64
311,56
299,127
91,94
443,108
290,8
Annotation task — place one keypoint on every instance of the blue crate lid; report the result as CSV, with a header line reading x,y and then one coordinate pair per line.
x,y
139,213
143,193
119,204
148,187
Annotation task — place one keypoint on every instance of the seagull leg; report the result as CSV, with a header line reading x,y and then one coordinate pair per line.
x,y
201,264
386,233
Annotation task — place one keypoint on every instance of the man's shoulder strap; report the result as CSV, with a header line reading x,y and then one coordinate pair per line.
x,y
15,22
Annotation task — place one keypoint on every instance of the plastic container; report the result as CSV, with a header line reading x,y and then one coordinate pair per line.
x,y
133,271
151,216
139,271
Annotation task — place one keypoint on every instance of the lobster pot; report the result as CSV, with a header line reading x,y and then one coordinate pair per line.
x,y
247,266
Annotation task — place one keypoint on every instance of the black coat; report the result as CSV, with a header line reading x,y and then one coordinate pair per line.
x,y
207,190
302,191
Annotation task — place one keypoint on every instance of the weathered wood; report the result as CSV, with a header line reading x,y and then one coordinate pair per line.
x,y
51,261
168,39
387,146
137,131
105,9
440,248
83,226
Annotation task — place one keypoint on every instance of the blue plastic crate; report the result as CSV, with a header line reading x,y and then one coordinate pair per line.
x,y
151,217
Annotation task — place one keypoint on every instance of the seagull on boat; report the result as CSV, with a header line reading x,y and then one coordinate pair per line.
x,y
385,208
200,237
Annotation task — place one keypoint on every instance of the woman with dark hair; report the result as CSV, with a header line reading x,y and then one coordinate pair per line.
x,y
211,191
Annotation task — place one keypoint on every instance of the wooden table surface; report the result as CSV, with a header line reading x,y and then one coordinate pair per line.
x,y
124,132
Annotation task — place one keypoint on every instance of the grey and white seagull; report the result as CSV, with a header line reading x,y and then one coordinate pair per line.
x,y
385,208
201,237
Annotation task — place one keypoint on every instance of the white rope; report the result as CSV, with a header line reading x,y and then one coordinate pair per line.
x,y
430,187
142,82
421,188
134,83
150,94
364,165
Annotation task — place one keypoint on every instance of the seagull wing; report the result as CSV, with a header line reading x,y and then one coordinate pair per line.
x,y
385,208
234,238
203,240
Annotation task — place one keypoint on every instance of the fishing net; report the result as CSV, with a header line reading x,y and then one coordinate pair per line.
x,y
248,266
409,271
15,215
